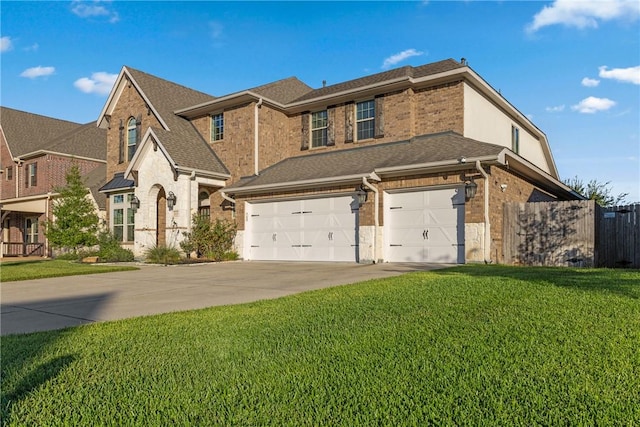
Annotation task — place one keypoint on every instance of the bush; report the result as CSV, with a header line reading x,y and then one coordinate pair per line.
x,y
162,255
110,249
213,240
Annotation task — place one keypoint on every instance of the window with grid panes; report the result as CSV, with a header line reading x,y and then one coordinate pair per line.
x,y
319,129
365,119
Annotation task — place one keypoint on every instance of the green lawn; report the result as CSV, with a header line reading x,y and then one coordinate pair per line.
x,y
39,269
473,345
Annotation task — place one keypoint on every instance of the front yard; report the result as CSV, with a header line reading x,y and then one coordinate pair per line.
x,y
39,269
473,345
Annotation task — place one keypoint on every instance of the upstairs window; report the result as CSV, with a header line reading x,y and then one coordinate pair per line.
x,y
31,175
217,127
365,119
515,139
319,129
132,137
9,173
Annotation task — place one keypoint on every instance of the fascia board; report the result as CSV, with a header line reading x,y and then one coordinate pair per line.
x,y
308,183
149,138
223,102
115,93
203,173
433,167
528,169
43,152
30,198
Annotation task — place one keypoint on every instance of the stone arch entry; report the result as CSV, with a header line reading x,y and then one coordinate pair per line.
x,y
161,218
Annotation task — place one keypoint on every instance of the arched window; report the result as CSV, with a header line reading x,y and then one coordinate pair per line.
x,y
132,137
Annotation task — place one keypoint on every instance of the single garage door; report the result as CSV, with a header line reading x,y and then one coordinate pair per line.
x,y
425,226
321,229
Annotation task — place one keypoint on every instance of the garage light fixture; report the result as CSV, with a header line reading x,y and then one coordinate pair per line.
x,y
171,200
362,195
470,189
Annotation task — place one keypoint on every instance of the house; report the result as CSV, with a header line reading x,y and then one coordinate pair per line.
x,y
412,164
35,155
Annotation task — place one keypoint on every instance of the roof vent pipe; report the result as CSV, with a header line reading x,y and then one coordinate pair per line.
x,y
463,61
324,83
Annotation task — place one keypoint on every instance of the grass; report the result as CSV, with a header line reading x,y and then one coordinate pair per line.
x,y
40,269
474,345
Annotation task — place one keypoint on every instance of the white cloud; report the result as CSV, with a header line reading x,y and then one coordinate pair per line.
x,y
584,14
398,57
626,75
100,83
215,29
96,8
35,72
33,48
5,44
556,109
590,82
592,105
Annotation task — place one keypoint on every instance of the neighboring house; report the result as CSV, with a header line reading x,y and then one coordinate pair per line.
x,y
413,164
35,155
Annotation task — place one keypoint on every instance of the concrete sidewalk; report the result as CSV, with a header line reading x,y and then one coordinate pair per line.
x,y
46,304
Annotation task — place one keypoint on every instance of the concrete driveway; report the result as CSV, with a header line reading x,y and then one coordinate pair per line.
x,y
45,304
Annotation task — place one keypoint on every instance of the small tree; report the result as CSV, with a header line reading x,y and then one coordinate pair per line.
x,y
75,222
213,240
598,191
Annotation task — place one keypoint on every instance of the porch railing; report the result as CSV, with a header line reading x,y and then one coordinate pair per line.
x,y
23,249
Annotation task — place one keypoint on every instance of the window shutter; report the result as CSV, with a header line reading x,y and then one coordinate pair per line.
x,y
304,144
331,134
26,176
138,130
379,120
348,122
121,143
35,175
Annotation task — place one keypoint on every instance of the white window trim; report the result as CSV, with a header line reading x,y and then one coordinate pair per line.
x,y
125,205
325,128
371,119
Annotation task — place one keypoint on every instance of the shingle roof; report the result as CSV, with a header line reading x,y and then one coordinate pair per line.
x,y
95,180
87,140
364,160
28,132
283,91
407,71
183,142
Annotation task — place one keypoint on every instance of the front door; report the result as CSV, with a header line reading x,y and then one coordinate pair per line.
x,y
161,215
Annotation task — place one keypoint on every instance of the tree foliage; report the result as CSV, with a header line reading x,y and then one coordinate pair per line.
x,y
598,191
75,222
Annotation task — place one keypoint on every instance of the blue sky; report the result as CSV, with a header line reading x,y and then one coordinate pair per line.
x,y
573,67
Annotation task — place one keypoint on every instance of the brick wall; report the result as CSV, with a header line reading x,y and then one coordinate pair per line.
x,y
130,104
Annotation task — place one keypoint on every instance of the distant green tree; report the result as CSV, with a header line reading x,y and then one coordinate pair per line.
x,y
75,222
598,191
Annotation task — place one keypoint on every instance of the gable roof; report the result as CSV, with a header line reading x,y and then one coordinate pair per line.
x,y
372,159
94,180
283,91
397,73
28,132
179,137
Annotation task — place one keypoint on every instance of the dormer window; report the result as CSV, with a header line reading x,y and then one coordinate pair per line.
x,y
132,138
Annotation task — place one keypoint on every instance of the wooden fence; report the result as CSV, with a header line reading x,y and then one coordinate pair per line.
x,y
550,233
618,237
575,233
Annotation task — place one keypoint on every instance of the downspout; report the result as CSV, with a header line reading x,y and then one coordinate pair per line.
x,y
256,168
192,178
46,215
487,223
376,219
18,162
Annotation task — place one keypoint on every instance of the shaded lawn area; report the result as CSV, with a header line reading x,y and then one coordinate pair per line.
x,y
472,345
40,269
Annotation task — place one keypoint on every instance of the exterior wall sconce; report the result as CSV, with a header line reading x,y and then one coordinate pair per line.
x,y
135,203
171,200
362,196
470,189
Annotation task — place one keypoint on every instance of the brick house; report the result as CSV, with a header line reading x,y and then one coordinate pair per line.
x,y
35,155
412,164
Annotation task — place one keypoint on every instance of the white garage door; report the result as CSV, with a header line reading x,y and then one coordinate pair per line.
x,y
425,226
322,229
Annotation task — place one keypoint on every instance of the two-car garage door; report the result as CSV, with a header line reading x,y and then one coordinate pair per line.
x,y
425,226
320,229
